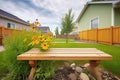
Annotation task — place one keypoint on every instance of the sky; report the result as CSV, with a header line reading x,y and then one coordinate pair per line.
x,y
48,12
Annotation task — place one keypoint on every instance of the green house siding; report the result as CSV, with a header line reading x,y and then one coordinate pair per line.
x,y
117,16
102,11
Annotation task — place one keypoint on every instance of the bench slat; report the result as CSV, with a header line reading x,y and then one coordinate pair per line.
x,y
65,54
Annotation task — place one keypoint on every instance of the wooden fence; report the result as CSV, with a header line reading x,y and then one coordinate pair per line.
x,y
6,32
107,35
69,36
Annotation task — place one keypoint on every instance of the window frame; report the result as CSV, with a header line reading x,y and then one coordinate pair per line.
x,y
93,27
11,25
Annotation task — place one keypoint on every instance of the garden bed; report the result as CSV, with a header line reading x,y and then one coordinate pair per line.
x,y
72,72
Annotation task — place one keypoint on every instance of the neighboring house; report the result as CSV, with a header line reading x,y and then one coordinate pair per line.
x,y
99,14
43,29
10,21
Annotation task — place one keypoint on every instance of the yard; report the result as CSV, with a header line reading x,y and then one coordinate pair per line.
x,y
110,65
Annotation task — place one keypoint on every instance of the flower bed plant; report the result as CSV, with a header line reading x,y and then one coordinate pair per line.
x,y
19,43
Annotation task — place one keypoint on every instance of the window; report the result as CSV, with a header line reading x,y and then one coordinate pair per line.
x,y
94,23
10,25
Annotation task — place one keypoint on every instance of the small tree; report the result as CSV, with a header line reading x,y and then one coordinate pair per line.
x,y
56,31
67,24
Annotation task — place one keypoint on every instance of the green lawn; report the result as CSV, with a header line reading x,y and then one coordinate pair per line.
x,y
57,40
111,65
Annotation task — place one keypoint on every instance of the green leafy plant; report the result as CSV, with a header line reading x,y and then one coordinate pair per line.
x,y
43,71
14,45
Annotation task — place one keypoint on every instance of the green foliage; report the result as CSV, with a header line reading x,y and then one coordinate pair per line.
x,y
45,69
3,67
67,24
56,31
14,45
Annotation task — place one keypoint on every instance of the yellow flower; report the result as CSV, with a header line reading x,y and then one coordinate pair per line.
x,y
31,43
45,40
49,33
48,39
53,44
27,35
34,37
44,46
33,28
41,36
25,39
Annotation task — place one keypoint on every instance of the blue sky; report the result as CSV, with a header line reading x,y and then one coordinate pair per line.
x,y
48,12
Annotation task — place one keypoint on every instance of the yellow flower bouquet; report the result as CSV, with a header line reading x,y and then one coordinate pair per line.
x,y
43,41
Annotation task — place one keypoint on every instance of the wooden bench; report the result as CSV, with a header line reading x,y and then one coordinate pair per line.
x,y
92,54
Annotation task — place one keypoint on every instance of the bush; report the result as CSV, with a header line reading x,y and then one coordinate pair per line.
x,y
3,68
14,45
43,71
17,44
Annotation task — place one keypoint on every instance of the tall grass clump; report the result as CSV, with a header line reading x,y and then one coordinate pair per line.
x,y
14,45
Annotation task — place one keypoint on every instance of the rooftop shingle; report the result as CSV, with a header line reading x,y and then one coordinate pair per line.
x,y
12,17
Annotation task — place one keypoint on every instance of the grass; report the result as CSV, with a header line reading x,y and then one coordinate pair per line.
x,y
57,40
3,67
111,65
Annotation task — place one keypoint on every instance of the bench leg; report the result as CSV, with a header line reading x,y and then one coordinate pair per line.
x,y
93,68
33,67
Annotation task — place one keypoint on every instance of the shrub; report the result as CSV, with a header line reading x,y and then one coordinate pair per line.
x,y
17,44
43,71
14,45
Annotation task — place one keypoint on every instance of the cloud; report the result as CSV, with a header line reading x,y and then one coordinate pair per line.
x,y
48,12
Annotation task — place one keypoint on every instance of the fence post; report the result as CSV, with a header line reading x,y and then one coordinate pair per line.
x,y
97,35
87,35
111,35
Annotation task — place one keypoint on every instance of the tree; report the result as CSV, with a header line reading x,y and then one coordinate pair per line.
x,y
56,31
67,24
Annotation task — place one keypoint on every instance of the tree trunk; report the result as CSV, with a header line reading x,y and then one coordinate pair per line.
x,y
66,37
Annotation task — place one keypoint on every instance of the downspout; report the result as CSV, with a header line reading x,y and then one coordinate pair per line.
x,y
112,16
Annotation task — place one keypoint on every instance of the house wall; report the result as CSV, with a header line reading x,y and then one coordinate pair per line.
x,y
102,11
4,22
117,16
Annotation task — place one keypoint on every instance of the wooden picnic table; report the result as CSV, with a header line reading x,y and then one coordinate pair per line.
x,y
92,54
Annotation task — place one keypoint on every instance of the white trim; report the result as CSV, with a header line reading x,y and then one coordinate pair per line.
x,y
112,16
92,19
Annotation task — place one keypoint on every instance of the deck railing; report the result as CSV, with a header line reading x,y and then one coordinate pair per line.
x,y
106,35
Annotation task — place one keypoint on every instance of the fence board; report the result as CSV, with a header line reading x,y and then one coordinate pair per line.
x,y
106,35
116,35
6,32
92,35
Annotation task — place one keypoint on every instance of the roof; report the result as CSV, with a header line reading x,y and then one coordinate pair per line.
x,y
114,3
104,2
9,16
43,28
